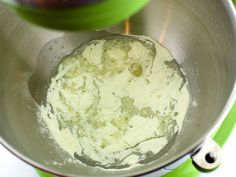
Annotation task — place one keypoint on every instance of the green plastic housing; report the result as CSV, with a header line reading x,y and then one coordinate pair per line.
x,y
88,17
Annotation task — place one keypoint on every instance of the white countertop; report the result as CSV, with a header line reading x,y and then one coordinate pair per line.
x,y
10,166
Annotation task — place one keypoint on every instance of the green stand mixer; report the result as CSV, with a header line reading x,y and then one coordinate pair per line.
x,y
200,34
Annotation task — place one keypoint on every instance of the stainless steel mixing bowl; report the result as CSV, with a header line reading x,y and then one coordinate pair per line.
x,y
200,34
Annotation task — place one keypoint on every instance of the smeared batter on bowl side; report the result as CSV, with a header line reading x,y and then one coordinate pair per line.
x,y
116,101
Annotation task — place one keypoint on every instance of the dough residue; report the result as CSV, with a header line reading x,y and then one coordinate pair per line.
x,y
116,101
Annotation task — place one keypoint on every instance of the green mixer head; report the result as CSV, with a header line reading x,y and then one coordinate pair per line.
x,y
90,16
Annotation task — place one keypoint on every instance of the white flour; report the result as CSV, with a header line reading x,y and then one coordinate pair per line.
x,y
116,101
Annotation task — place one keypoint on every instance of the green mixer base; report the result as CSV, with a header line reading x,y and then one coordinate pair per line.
x,y
187,168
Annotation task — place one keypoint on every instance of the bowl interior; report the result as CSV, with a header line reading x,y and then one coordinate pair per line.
x,y
199,34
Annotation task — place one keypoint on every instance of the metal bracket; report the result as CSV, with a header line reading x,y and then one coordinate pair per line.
x,y
208,157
